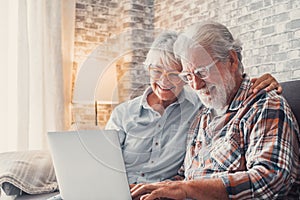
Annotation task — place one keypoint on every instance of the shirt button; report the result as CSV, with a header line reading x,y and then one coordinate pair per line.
x,y
152,161
156,143
159,126
142,174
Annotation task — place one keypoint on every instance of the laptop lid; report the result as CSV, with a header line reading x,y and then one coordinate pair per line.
x,y
89,165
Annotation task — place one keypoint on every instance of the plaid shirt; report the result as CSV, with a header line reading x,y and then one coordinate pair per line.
x,y
253,147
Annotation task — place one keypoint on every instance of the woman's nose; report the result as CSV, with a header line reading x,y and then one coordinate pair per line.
x,y
164,78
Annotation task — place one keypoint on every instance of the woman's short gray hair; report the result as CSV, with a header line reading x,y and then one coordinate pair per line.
x,y
163,45
215,38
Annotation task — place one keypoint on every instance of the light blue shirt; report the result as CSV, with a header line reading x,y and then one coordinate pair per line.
x,y
154,145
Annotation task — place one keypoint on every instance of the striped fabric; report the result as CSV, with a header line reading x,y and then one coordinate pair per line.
x,y
31,171
253,147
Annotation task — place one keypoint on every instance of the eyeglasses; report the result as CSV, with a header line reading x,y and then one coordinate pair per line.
x,y
201,72
156,73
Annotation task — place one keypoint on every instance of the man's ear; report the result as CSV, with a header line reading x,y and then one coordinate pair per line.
x,y
234,60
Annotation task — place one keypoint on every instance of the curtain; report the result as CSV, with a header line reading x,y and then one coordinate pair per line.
x,y
36,78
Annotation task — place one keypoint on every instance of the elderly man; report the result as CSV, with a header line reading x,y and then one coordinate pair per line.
x,y
153,127
243,145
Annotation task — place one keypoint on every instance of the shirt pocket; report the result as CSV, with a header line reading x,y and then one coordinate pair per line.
x,y
226,155
174,138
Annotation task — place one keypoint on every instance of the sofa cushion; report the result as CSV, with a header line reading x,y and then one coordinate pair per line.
x,y
292,95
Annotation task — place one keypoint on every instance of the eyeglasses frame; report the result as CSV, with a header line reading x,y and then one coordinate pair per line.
x,y
164,73
198,69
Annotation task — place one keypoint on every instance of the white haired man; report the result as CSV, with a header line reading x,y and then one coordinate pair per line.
x,y
153,127
242,145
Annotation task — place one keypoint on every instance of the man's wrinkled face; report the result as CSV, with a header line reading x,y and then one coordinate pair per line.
x,y
164,79
210,78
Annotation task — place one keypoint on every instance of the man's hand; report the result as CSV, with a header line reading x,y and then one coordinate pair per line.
x,y
266,82
161,190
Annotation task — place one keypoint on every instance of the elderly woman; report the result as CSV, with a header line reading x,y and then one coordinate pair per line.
x,y
153,127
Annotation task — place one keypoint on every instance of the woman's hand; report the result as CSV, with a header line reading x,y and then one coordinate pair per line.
x,y
266,82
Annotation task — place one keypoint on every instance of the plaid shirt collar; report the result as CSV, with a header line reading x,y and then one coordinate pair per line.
x,y
241,95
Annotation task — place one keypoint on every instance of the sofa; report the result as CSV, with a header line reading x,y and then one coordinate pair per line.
x,y
30,175
291,91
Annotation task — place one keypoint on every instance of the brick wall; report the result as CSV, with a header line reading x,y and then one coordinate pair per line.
x,y
118,31
268,29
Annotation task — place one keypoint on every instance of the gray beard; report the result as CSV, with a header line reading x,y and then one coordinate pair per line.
x,y
219,97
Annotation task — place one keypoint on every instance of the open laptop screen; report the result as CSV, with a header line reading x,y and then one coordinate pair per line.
x,y
89,164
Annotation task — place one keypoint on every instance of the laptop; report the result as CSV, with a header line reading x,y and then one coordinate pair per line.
x,y
89,165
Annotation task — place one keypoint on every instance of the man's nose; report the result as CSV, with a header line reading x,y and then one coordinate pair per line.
x,y
197,83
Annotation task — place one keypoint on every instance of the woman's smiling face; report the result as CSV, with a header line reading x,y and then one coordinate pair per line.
x,y
165,88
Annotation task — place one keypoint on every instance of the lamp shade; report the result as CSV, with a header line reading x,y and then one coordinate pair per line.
x,y
96,81
106,91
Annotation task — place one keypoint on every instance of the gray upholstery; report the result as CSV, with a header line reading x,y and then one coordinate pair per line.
x,y
291,92
36,196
